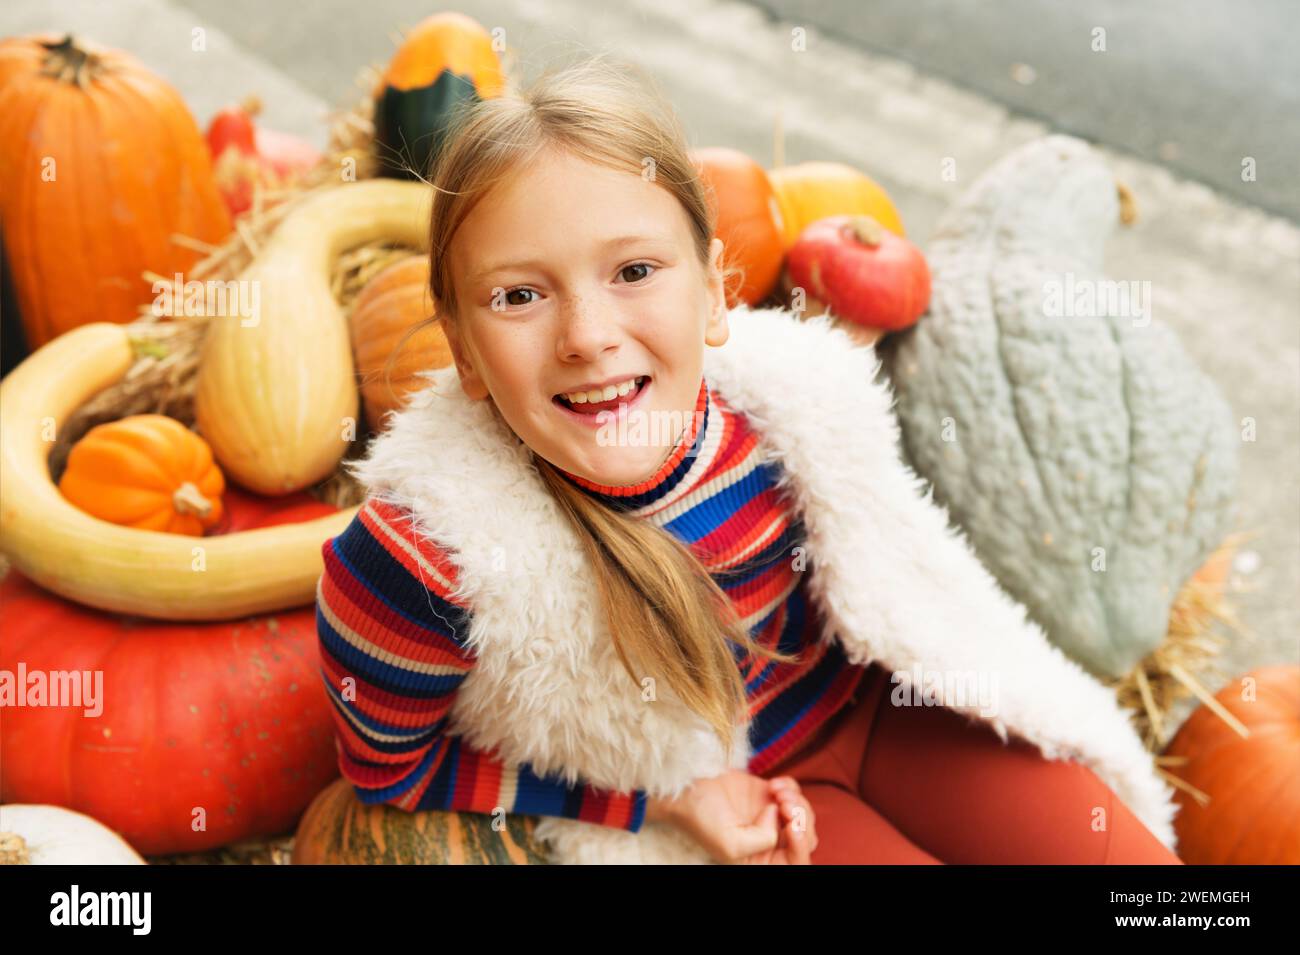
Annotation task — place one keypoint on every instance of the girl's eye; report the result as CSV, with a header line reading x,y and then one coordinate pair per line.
x,y
637,265
521,290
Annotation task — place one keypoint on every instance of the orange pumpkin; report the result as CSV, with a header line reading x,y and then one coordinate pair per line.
x,y
444,60
1253,784
100,164
147,471
748,220
390,303
817,190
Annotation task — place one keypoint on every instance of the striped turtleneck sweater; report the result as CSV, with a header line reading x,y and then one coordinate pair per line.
x,y
399,635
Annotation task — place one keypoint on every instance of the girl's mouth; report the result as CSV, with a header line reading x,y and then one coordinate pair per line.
x,y
581,407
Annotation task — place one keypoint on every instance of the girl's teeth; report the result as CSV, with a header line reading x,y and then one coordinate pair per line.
x,y
609,393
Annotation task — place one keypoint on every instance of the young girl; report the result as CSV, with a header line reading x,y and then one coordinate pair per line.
x,y
646,567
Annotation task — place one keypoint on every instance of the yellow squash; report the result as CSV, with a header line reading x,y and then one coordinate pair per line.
x,y
100,564
277,395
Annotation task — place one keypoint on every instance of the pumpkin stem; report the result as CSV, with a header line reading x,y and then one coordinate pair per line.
x,y
187,499
13,849
1128,210
69,63
252,104
867,230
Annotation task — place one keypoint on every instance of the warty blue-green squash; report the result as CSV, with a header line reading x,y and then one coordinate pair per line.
x,y
1089,461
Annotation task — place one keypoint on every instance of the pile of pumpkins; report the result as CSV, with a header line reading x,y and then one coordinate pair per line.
x,y
183,565
179,566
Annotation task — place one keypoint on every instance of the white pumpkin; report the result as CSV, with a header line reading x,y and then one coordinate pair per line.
x,y
52,835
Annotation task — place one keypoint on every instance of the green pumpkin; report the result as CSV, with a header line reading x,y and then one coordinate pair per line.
x,y
1092,466
339,829
411,125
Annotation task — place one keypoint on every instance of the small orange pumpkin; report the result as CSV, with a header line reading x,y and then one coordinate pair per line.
x,y
391,302
101,164
748,220
1253,784
146,471
817,190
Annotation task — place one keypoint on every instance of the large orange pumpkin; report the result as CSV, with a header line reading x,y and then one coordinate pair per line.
x,y
393,301
147,471
748,221
817,190
444,60
1253,784
100,164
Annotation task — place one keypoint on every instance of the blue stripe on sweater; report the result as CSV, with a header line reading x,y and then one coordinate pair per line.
x,y
394,586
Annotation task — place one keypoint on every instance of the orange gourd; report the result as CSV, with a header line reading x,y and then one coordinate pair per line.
x,y
101,164
444,60
817,190
443,41
1253,784
146,471
390,303
748,221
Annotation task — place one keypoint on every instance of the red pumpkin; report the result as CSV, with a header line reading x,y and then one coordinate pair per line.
x,y
246,511
245,154
228,717
861,272
1253,783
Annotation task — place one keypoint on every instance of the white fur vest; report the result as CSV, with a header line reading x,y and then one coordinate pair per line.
x,y
893,582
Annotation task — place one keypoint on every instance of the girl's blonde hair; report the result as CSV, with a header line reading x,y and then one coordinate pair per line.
x,y
668,617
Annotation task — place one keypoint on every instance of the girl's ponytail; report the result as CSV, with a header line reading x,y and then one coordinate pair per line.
x,y
669,619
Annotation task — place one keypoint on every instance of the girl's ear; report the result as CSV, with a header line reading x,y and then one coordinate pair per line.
x,y
470,381
716,331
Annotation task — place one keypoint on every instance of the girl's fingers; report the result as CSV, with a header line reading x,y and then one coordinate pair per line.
x,y
799,811
800,853
783,784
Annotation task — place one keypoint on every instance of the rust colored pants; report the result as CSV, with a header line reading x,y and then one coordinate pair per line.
x,y
924,785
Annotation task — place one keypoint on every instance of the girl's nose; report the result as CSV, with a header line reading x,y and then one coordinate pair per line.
x,y
586,330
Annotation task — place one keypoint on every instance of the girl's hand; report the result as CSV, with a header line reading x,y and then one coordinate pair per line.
x,y
798,831
736,818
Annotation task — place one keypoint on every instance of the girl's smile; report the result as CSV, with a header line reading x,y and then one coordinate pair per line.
x,y
581,407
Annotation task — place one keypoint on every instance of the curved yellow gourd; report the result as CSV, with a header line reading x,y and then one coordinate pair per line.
x,y
103,565
276,397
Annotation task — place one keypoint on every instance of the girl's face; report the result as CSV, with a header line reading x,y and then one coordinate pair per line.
x,y
574,277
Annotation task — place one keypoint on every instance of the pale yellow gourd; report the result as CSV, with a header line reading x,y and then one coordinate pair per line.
x,y
276,397
104,565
